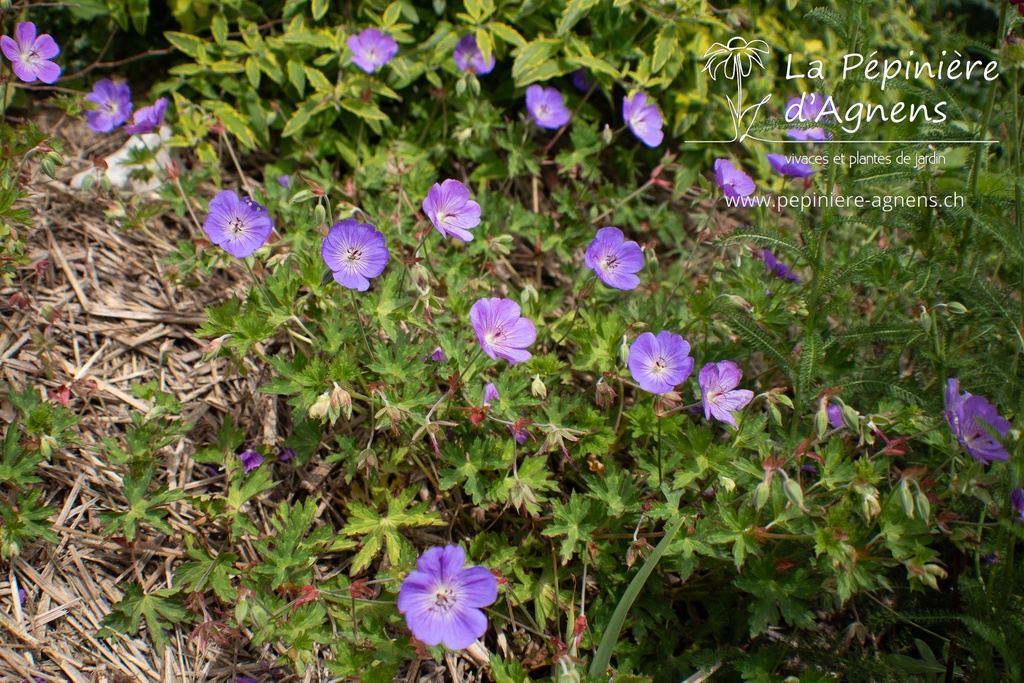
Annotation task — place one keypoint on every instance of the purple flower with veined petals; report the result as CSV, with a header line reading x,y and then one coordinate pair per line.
x,y
251,460
113,105
284,181
660,363
355,252
835,416
469,58
614,260
785,166
30,55
441,600
286,454
450,209
148,119
718,392
807,108
968,417
778,268
372,49
490,394
502,331
240,226
643,119
734,182
1017,500
438,356
580,80
546,107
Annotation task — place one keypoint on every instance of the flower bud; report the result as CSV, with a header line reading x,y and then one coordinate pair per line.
x,y
794,493
761,493
607,134
851,419
624,351
537,388
319,214
907,500
871,507
367,459
320,408
821,421
341,401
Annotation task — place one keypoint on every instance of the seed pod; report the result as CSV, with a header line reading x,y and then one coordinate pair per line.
x,y
907,500
794,493
761,493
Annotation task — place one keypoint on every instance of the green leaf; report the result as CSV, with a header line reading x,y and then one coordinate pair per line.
x,y
142,507
206,571
574,11
569,520
392,14
364,110
663,46
139,12
190,45
531,57
160,609
507,33
219,28
378,531
320,9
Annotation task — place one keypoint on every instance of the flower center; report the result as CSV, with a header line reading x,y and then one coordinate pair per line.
x,y
444,599
659,367
237,225
371,56
610,263
492,338
353,255
543,111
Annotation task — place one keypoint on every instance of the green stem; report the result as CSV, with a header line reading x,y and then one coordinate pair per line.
x,y
359,320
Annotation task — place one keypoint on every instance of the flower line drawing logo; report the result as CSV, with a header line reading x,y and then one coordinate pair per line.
x,y
736,60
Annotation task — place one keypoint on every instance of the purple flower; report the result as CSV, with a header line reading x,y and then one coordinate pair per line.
x,y
546,107
778,268
450,209
241,226
438,356
355,252
490,394
251,460
22,596
734,182
239,678
521,434
148,119
718,392
212,471
806,108
835,416
786,166
643,119
372,49
284,181
286,454
968,416
615,261
502,332
659,363
469,58
30,55
580,80
1017,500
441,601
113,105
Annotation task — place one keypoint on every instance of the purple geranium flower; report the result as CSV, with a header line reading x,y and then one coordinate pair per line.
x,y
441,601
1017,500
615,261
502,331
372,49
240,226
778,268
284,181
785,166
734,182
251,460
643,119
835,416
546,107
286,454
450,209
22,596
490,394
580,80
438,355
968,416
469,58
718,392
520,434
659,363
806,108
355,252
113,105
30,55
148,119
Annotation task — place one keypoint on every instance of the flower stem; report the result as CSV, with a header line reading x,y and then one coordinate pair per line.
x,y
359,319
579,304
